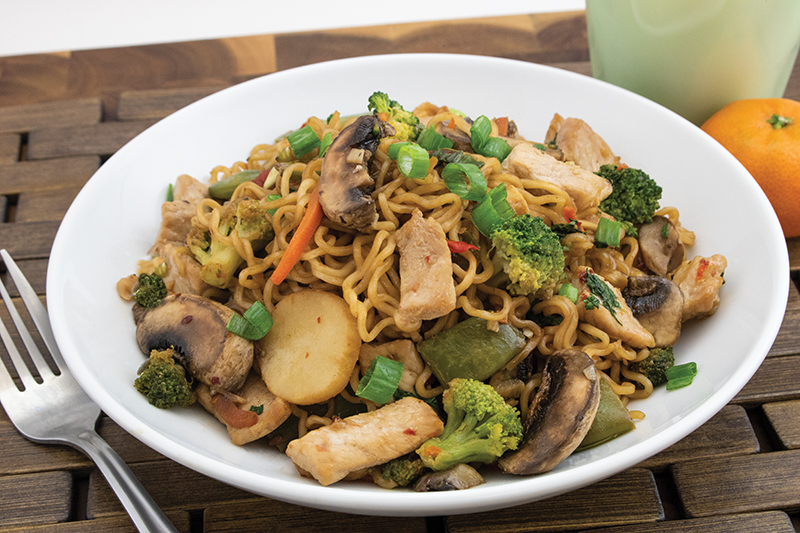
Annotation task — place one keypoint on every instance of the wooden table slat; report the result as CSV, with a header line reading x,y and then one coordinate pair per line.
x,y
35,271
728,433
172,486
767,481
9,148
47,174
771,521
96,139
784,417
158,103
25,118
630,497
775,380
35,498
28,240
44,205
117,524
279,517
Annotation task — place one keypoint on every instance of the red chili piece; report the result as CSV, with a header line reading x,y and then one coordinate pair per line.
x,y
457,247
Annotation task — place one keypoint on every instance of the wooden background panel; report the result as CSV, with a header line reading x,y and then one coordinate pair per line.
x,y
775,380
760,482
35,498
279,517
9,149
24,118
47,174
630,497
784,419
118,524
98,139
772,522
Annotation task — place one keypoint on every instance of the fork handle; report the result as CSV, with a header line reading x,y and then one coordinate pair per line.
x,y
144,512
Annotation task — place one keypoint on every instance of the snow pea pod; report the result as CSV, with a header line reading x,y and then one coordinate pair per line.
x,y
223,189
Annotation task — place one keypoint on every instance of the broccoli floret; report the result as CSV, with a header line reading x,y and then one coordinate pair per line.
x,y
164,381
220,260
403,470
634,198
480,427
149,291
655,365
405,124
533,257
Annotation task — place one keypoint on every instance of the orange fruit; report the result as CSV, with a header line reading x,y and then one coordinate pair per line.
x,y
764,135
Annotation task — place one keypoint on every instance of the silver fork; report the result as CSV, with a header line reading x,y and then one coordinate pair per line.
x,y
57,411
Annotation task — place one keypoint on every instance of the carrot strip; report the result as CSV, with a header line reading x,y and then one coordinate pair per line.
x,y
569,212
302,236
233,416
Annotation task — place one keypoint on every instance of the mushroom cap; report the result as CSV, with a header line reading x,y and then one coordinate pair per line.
x,y
661,254
657,303
197,328
345,183
562,413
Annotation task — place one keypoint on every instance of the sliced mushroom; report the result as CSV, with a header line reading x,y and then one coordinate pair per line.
x,y
344,184
459,477
561,415
197,328
658,305
661,246
461,141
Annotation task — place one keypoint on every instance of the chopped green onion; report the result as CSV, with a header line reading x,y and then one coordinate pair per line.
x,y
303,140
431,139
446,155
395,147
665,230
325,143
270,198
609,232
495,147
465,180
223,189
679,376
257,409
480,131
492,211
170,195
413,161
381,380
255,323
569,291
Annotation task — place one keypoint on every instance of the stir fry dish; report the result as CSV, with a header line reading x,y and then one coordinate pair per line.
x,y
407,297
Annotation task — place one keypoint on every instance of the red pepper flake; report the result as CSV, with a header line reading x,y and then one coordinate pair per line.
x,y
185,320
321,448
432,451
307,354
409,431
215,380
457,247
319,319
569,212
623,166
701,268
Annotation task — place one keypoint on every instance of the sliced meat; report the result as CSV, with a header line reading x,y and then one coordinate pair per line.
x,y
427,289
176,216
585,188
270,410
403,350
579,143
700,280
183,270
368,439
625,326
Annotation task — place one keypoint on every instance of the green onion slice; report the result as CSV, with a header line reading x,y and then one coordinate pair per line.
x,y
609,232
170,194
431,139
253,325
570,291
492,211
325,143
303,140
381,380
465,180
480,131
680,376
395,147
223,189
413,161
495,147
271,198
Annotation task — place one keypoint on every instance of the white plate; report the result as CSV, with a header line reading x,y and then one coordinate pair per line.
x,y
114,220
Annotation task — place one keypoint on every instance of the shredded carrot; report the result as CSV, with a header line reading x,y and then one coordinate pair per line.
x,y
302,236
383,116
622,166
233,416
451,124
502,125
569,212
